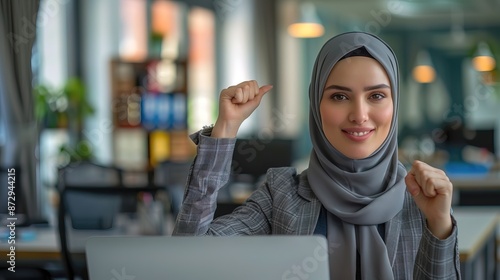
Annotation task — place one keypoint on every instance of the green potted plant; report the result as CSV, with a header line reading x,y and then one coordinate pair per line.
x,y
65,108
50,107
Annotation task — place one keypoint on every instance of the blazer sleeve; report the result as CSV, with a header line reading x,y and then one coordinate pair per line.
x,y
209,173
436,258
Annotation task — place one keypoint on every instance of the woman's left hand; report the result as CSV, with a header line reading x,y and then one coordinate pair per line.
x,y
432,191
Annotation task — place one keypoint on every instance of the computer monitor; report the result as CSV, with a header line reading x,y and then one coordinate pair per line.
x,y
456,136
254,156
483,138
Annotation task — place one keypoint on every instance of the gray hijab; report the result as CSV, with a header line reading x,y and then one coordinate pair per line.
x,y
357,194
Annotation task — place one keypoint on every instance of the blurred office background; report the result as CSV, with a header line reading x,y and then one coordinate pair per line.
x,y
123,82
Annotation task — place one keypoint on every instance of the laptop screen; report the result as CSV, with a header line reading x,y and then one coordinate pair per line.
x,y
206,257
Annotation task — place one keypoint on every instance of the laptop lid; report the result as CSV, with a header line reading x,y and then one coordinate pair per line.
x,y
206,257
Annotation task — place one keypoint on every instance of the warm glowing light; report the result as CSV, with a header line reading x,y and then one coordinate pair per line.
x,y
306,30
308,24
163,14
424,74
484,63
483,60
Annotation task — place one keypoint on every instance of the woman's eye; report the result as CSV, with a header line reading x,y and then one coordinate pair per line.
x,y
377,96
338,97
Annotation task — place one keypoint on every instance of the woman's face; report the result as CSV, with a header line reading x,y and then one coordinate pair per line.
x,y
356,108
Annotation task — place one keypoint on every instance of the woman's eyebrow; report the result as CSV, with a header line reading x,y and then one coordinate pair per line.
x,y
368,88
376,87
338,87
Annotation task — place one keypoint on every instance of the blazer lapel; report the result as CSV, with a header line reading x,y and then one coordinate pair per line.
x,y
308,217
308,211
392,231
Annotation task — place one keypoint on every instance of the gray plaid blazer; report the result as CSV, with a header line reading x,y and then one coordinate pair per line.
x,y
285,204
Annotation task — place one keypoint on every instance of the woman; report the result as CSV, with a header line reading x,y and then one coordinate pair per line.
x,y
380,221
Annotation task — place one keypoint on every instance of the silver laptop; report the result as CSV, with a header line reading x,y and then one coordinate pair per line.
x,y
206,257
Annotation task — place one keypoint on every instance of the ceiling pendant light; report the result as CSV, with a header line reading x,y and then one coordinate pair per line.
x,y
308,24
424,72
483,60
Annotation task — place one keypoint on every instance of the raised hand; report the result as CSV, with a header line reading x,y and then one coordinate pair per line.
x,y
432,191
236,103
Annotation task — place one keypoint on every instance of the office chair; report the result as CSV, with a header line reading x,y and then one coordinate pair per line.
x,y
91,196
86,211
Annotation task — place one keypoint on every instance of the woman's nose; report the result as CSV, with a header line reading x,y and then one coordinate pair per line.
x,y
359,113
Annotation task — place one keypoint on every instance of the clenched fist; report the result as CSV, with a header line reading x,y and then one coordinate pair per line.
x,y
236,103
432,191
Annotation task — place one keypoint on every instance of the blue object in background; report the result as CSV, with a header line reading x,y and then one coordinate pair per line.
x,y
22,235
465,169
178,111
163,111
148,110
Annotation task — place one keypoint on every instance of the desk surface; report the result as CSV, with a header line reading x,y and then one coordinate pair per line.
x,y
43,243
486,181
34,243
475,226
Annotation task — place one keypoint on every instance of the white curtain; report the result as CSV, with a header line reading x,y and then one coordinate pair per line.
x,y
18,20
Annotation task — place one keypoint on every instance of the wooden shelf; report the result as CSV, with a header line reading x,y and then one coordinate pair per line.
x,y
149,100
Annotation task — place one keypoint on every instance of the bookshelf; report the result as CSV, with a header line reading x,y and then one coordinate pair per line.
x,y
149,100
